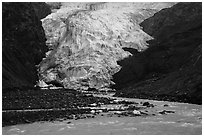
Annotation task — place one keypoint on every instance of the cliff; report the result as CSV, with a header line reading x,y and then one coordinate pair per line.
x,y
86,40
171,69
23,43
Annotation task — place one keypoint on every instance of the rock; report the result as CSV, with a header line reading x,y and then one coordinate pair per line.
x,y
92,116
99,111
23,43
116,100
93,111
54,5
118,112
166,111
93,105
170,111
179,16
111,109
41,9
166,105
144,113
87,39
170,69
112,102
147,104
181,25
136,112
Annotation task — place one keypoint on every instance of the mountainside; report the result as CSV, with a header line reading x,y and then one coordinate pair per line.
x,y
23,44
171,69
143,50
86,40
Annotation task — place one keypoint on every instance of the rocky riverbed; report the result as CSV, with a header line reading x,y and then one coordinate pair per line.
x,y
90,113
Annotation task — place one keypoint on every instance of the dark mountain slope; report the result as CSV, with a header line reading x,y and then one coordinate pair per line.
x,y
23,43
171,69
41,9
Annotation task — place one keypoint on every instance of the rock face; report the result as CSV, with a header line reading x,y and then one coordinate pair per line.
x,y
41,9
23,43
86,40
171,69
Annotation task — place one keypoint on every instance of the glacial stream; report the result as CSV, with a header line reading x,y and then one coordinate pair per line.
x,y
181,118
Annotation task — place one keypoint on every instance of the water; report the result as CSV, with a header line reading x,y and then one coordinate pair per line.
x,y
187,120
